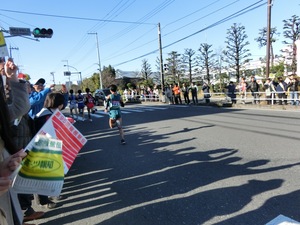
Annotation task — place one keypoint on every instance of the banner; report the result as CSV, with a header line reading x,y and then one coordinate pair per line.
x,y
59,127
3,47
42,170
51,154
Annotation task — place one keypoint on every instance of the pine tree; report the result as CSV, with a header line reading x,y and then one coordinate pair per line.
x,y
291,31
206,59
189,61
262,40
236,53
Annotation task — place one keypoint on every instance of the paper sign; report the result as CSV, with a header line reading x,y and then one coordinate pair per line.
x,y
3,47
63,136
59,127
42,170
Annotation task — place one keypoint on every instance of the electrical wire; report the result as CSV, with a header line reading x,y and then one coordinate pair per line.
x,y
142,20
120,8
116,54
72,17
234,15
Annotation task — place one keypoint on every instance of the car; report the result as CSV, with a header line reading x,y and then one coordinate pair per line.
x,y
100,95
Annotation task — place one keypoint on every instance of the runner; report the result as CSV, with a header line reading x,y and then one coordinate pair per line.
x,y
112,106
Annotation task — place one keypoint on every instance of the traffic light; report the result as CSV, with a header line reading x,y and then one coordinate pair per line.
x,y
166,67
42,33
67,73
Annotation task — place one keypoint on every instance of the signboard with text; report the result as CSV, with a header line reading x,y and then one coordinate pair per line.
x,y
18,31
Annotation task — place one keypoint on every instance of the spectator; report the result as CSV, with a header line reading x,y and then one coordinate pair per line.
x,y
206,92
53,101
133,94
254,88
185,91
65,93
168,94
14,104
125,93
38,96
231,92
243,89
268,91
281,89
22,135
156,93
293,90
176,91
194,90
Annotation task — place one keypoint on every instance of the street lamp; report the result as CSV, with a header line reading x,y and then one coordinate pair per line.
x,y
99,63
68,73
76,72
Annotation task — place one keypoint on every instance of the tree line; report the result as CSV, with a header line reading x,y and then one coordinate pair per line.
x,y
183,67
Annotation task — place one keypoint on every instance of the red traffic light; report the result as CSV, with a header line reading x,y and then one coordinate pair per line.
x,y
42,33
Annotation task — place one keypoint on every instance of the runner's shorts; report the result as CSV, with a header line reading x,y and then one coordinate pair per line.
x,y
115,114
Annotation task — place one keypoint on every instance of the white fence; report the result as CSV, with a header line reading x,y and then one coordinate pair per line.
x,y
241,98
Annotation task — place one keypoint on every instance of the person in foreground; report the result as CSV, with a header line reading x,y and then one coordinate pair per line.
x,y
53,101
11,108
113,103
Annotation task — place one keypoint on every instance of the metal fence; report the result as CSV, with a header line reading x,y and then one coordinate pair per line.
x,y
241,98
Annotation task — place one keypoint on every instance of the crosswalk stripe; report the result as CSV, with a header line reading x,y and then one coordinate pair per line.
x,y
138,109
154,108
101,112
131,110
97,115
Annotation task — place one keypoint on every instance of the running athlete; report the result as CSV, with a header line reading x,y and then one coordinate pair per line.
x,y
80,104
113,103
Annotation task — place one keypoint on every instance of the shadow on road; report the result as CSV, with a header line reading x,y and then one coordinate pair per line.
x,y
150,182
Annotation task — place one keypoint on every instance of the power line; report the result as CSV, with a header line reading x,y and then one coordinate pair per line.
x,y
74,17
124,6
208,14
234,15
141,20
116,11
202,8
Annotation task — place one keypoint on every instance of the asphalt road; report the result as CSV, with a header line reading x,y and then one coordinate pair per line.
x,y
184,165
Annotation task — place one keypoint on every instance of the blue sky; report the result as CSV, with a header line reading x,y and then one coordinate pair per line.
x,y
127,29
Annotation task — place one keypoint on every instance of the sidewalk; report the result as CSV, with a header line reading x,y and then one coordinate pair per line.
x,y
248,105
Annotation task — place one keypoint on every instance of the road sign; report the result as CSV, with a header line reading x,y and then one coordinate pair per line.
x,y
17,31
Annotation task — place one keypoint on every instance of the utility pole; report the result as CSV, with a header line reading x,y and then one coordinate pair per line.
x,y
268,39
10,52
52,73
99,62
161,59
68,73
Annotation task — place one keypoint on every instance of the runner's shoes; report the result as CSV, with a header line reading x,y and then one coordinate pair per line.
x,y
123,142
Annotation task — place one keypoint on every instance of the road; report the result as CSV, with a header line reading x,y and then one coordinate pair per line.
x,y
184,165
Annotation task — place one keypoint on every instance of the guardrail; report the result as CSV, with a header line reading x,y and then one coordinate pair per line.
x,y
257,97
241,97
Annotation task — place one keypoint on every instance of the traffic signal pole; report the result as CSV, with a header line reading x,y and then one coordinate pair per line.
x,y
99,62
